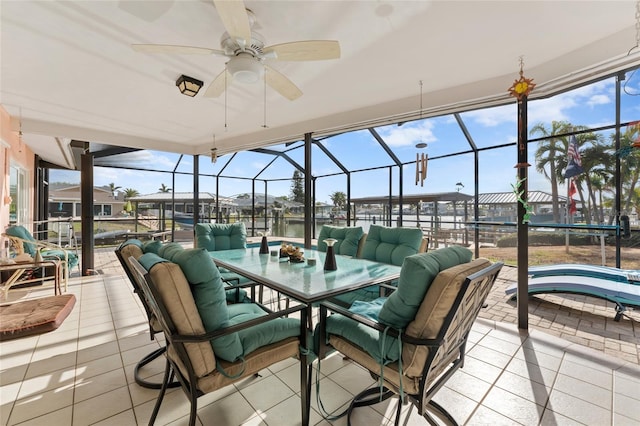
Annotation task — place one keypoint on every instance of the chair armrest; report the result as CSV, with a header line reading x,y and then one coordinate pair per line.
x,y
241,326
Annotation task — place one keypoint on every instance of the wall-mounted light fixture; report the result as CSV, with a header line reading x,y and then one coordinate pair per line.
x,y
188,86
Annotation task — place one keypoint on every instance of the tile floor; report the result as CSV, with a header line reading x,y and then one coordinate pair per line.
x,y
82,374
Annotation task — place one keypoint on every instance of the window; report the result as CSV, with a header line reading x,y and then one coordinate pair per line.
x,y
18,189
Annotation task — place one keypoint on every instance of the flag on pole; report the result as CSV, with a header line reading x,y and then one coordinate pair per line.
x,y
574,162
572,203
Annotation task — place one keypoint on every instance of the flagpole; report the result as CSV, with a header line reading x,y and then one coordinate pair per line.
x,y
568,204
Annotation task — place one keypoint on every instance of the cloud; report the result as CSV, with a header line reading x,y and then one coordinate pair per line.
x,y
409,134
598,100
492,117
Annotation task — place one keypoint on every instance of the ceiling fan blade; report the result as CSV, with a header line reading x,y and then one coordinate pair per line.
x,y
235,19
281,84
169,48
218,85
309,50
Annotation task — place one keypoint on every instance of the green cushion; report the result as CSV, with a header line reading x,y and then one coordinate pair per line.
x,y
211,300
21,232
365,337
169,250
262,334
391,245
152,246
132,241
147,260
31,249
221,236
348,239
416,275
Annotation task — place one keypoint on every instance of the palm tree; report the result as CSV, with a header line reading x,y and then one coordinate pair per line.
x,y
338,199
629,165
164,188
130,192
113,188
548,154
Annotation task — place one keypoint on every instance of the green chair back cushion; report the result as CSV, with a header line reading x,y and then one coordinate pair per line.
x,y
391,245
152,246
132,241
221,236
348,239
416,275
210,297
169,250
21,232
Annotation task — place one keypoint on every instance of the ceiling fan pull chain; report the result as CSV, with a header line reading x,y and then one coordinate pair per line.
x,y
225,99
264,125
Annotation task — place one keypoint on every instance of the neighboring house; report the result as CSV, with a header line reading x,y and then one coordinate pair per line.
x,y
64,201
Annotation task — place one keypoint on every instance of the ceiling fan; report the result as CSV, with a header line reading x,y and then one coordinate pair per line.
x,y
248,53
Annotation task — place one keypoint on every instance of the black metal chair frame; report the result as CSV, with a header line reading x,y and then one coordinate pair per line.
x,y
177,342
481,282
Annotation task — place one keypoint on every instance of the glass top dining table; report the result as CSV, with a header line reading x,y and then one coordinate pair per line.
x,y
302,281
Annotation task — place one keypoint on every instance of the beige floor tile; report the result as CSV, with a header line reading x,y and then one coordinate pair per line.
x,y
101,407
627,406
59,379
549,418
353,378
231,410
468,385
266,393
289,413
533,372
601,378
517,408
45,366
95,385
122,419
524,388
40,404
96,351
484,416
58,417
99,366
578,409
584,389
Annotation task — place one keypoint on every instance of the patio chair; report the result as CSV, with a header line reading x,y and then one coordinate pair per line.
x,y
211,345
224,236
350,239
387,245
23,242
415,340
135,248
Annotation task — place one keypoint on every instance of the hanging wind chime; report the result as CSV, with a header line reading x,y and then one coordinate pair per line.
x,y
520,90
422,159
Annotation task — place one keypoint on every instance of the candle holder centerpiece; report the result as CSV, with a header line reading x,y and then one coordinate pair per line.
x,y
293,253
330,259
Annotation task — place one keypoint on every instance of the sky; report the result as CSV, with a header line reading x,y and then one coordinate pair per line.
x,y
592,106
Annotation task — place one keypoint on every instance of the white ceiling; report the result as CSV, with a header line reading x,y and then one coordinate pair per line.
x,y
68,70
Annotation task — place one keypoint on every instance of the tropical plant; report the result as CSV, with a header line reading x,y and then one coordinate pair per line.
x,y
339,199
130,192
113,188
164,188
550,151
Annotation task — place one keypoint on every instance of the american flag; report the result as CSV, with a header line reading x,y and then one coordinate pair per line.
x,y
573,153
574,163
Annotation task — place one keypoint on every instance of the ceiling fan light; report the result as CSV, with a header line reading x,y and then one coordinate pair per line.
x,y
245,69
188,86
